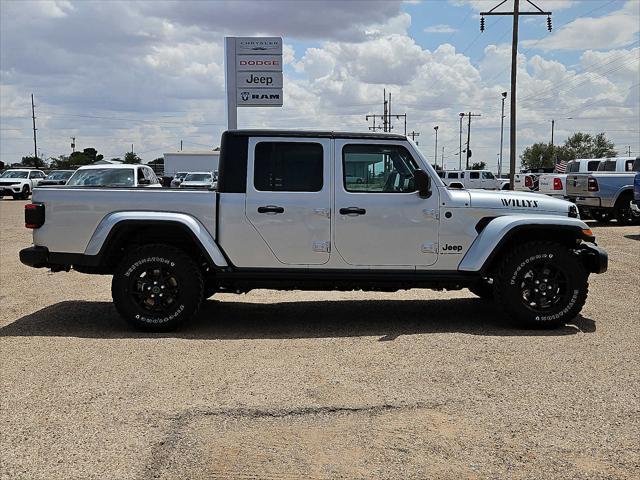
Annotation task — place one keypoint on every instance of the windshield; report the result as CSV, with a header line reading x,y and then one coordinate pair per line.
x,y
198,177
58,175
14,174
103,177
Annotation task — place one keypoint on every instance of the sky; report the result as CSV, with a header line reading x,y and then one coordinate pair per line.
x,y
150,73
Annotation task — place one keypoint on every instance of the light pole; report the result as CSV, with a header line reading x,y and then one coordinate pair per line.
x,y
504,97
460,151
435,153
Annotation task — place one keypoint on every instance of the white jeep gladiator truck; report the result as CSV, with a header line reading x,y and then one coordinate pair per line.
x,y
290,213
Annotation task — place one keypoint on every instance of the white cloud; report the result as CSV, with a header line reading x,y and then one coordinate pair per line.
x,y
441,28
614,30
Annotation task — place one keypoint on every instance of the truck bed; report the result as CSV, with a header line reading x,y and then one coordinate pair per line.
x,y
72,214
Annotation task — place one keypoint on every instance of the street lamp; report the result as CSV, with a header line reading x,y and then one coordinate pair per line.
x,y
504,96
435,156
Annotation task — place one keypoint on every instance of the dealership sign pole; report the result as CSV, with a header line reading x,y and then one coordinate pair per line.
x,y
253,74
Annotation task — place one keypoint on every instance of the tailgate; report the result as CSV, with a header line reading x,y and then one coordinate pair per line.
x,y
577,185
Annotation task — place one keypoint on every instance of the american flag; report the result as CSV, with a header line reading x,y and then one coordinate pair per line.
x,y
561,167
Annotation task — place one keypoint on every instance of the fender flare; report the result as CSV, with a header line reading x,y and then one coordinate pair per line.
x,y
500,229
200,234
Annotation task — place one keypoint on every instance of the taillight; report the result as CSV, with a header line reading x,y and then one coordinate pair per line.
x,y
33,215
557,184
528,182
592,184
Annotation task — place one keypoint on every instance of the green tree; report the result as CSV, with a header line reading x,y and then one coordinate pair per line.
x,y
479,166
538,155
116,159
584,145
131,157
33,162
61,163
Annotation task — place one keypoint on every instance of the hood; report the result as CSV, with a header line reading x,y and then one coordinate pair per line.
x,y
519,202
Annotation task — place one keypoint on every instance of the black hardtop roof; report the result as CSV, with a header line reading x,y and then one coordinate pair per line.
x,y
314,134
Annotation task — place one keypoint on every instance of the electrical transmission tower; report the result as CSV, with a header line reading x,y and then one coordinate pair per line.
x,y
413,136
516,13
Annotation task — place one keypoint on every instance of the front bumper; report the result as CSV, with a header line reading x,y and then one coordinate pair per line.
x,y
10,189
595,258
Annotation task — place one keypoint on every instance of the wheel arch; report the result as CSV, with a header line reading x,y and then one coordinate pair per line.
x,y
120,231
623,193
500,235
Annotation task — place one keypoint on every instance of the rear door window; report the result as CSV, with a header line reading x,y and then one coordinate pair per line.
x,y
592,166
288,167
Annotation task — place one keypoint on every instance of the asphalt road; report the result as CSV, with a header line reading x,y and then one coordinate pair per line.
x,y
284,385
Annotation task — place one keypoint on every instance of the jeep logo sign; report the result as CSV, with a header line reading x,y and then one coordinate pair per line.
x,y
259,79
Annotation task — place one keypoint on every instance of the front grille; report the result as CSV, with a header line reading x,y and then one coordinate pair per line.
x,y
9,183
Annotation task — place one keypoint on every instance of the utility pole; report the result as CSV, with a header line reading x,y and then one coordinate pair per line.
x,y
468,150
73,144
553,123
628,150
33,117
132,148
514,68
386,116
442,158
504,97
413,136
460,151
180,145
435,153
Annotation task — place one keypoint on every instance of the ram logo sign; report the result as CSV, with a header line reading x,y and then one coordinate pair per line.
x,y
260,96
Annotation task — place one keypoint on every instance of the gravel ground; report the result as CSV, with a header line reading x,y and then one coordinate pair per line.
x,y
416,384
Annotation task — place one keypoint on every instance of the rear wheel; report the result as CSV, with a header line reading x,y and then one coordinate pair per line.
x,y
157,287
623,213
541,285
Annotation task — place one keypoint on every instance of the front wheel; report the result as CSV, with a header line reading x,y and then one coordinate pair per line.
x,y
157,287
541,285
25,193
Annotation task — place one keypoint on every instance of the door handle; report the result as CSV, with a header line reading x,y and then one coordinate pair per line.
x,y
352,211
270,209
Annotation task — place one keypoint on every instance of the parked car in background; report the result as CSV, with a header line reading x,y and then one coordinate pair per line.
x,y
199,180
56,177
528,180
604,194
20,182
555,184
114,176
618,164
473,179
177,179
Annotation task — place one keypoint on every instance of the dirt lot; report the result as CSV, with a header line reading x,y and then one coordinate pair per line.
x,y
417,384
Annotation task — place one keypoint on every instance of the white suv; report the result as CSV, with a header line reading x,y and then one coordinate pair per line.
x,y
19,182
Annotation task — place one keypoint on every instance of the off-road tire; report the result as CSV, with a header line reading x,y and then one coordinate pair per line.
x,y
483,290
26,191
514,286
167,266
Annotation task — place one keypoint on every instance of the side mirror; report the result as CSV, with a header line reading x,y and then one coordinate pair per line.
x,y
422,182
144,181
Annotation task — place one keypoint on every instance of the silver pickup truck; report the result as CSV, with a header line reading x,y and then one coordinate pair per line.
x,y
317,211
605,195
